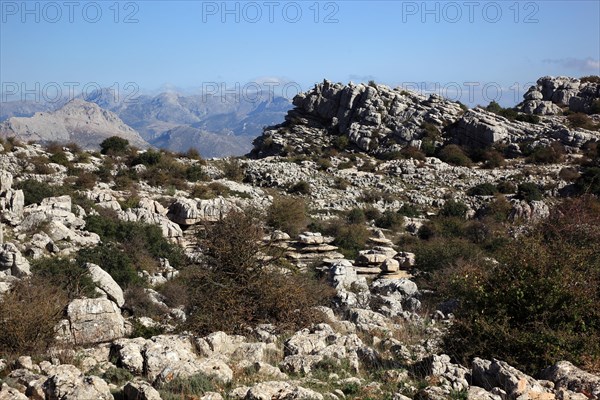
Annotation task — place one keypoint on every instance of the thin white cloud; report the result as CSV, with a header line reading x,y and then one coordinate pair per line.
x,y
581,64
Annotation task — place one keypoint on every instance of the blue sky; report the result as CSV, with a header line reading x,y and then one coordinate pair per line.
x,y
444,46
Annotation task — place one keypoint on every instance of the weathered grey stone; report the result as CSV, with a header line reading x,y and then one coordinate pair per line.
x,y
95,321
140,390
66,382
12,261
566,375
106,283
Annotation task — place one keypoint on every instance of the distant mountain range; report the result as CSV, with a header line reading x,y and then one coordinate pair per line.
x,y
79,121
216,126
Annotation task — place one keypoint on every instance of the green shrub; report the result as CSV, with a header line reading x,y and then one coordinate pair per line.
x,y
147,158
453,154
128,247
114,145
530,118
595,108
390,220
498,209
210,191
529,191
350,238
341,142
72,277
59,158
552,154
118,264
483,189
34,191
508,113
537,304
453,208
288,214
117,376
409,210
195,173
439,253
506,187
356,216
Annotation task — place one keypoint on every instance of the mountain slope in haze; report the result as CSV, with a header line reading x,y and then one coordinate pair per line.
x,y
78,121
162,118
208,144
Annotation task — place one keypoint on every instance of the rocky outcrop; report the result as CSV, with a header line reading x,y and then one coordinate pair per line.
x,y
498,374
92,321
567,376
66,382
106,284
190,212
373,118
12,262
551,94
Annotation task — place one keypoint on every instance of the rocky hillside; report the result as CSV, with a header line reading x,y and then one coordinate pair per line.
x,y
443,261
77,121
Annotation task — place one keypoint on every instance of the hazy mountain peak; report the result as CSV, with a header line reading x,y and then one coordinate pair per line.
x,y
77,121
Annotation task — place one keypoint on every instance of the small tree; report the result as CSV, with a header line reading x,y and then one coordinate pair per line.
x,y
237,287
287,214
114,145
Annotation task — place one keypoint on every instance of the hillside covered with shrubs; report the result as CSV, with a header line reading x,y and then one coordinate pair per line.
x,y
333,262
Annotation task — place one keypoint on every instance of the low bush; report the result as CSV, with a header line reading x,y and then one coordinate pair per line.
x,y
483,189
233,170
453,208
147,158
301,187
551,154
236,288
195,173
210,191
537,304
569,174
350,238
59,158
114,145
288,214
34,191
455,155
580,120
29,313
390,220
506,187
72,277
439,253
356,216
409,210
529,191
